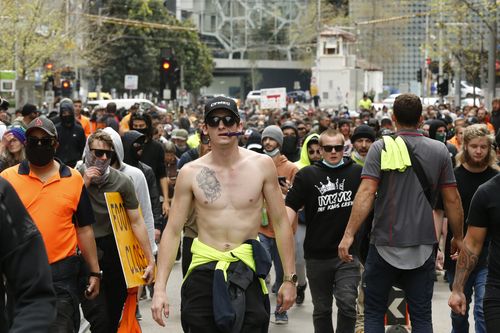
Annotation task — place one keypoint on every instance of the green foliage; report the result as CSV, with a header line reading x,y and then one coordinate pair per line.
x,y
31,31
137,51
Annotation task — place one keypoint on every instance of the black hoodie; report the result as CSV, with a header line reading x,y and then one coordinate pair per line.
x,y
71,137
433,126
131,158
327,195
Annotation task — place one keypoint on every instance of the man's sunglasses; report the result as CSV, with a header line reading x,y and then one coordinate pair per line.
x,y
214,121
338,148
316,151
301,128
34,141
100,153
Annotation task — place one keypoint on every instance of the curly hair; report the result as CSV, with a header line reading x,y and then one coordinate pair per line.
x,y
472,132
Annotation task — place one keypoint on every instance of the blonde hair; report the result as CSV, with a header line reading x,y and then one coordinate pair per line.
x,y
330,133
472,132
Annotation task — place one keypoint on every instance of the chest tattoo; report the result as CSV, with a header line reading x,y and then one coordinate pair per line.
x,y
209,184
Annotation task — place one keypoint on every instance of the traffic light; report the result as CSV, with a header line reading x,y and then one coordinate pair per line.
x,y
443,88
66,88
419,75
166,65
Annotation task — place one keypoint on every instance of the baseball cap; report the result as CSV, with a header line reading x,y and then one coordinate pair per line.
x,y
180,133
28,109
221,102
44,124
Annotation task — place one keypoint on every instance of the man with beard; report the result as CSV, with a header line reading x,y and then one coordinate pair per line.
x,y
57,201
476,164
362,139
481,118
152,154
345,130
272,142
179,138
100,178
71,135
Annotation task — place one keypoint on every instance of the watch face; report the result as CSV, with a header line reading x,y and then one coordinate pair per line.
x,y
294,278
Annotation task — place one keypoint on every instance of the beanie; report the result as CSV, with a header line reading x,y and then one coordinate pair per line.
x,y
363,131
66,104
18,133
273,132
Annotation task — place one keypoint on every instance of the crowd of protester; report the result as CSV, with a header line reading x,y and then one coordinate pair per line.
x,y
151,147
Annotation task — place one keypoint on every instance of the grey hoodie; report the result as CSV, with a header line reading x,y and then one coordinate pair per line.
x,y
140,185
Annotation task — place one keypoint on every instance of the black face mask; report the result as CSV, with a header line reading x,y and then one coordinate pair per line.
x,y
141,130
67,120
40,155
289,145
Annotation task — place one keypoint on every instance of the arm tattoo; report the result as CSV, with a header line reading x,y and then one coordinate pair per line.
x,y
466,262
209,184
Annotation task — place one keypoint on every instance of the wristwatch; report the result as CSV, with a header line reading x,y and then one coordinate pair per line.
x,y
290,278
96,274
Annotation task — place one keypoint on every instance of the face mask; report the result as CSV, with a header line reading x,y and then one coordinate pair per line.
x,y
141,130
102,165
333,166
273,152
67,120
40,155
441,137
289,144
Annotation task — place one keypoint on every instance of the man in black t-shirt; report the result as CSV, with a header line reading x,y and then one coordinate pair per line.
x,y
483,220
476,165
152,154
326,190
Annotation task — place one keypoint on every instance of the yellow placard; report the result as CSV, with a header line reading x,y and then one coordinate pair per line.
x,y
132,257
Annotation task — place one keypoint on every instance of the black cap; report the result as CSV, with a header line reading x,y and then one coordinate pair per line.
x,y
28,109
4,104
221,102
363,131
42,123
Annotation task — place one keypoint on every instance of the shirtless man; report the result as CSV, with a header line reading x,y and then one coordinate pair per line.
x,y
227,188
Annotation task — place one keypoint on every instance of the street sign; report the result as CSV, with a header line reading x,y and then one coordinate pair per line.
x,y
49,96
166,94
274,98
396,311
8,81
131,82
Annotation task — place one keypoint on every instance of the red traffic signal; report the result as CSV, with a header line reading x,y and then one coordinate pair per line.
x,y
49,66
66,84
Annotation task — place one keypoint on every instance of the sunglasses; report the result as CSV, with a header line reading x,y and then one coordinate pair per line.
x,y
338,148
100,153
34,141
301,128
310,152
214,121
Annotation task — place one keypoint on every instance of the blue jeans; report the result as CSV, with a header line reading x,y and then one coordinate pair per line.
x,y
476,283
418,285
272,249
328,278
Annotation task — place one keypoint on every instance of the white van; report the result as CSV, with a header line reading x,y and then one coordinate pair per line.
x,y
127,103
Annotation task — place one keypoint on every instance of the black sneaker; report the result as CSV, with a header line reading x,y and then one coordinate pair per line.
x,y
300,294
138,313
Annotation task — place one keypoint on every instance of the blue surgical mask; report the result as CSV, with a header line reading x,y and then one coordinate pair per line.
x,y
333,166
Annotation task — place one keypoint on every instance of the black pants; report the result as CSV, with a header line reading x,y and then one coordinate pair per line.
x,y
491,307
104,312
187,256
65,280
197,314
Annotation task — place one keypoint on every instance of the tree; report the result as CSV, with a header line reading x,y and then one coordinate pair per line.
x,y
31,32
138,49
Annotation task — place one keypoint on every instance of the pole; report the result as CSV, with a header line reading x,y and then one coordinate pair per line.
x,y
426,55
492,51
441,79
